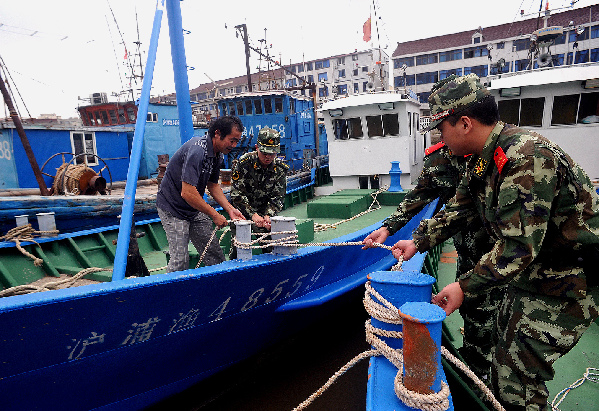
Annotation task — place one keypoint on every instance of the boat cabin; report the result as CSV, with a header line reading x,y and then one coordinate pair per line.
x,y
292,115
366,133
560,103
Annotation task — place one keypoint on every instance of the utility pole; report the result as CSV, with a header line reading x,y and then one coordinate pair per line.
x,y
244,34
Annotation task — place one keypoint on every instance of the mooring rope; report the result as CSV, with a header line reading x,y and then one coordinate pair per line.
x,y
65,282
591,374
385,311
26,233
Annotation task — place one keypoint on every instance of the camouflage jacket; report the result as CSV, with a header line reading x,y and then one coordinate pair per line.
x,y
439,178
255,189
539,207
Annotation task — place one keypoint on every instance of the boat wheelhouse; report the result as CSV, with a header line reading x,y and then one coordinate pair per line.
x,y
292,115
366,133
560,103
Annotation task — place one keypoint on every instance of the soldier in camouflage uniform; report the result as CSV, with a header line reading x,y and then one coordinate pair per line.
x,y
259,182
439,178
542,211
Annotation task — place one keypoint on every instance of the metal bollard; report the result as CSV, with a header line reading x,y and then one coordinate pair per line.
x,y
46,222
399,287
395,175
278,224
243,232
22,220
422,323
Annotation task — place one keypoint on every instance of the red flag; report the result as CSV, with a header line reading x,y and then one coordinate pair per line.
x,y
125,54
366,30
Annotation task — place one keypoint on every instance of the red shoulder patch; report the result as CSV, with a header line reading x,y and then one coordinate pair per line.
x,y
500,158
434,148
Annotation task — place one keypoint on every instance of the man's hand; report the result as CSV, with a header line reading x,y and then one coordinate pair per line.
x,y
404,249
450,298
377,236
219,220
235,214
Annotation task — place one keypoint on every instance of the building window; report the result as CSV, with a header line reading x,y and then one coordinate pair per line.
x,y
309,66
500,45
342,89
478,51
341,60
322,77
292,69
572,36
476,39
522,44
558,60
323,92
354,57
84,143
321,64
595,55
365,86
450,55
480,71
594,32
423,97
399,80
356,88
520,65
342,73
427,78
408,61
443,74
355,72
300,68
582,56
426,59
497,69
310,78
292,82
152,118
364,69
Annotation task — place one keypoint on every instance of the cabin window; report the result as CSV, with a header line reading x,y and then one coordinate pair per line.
x,y
240,108
355,127
292,106
375,126
232,108
589,108
223,109
278,104
565,109
267,106
390,124
131,113
152,118
104,115
248,107
258,106
84,143
526,112
122,119
112,115
340,127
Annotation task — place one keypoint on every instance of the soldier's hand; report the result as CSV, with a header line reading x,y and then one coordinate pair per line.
x,y
449,298
404,249
377,236
267,223
258,220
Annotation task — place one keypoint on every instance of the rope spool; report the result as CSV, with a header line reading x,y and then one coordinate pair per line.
x,y
73,179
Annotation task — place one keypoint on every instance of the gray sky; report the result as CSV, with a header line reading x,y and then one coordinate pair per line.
x,y
58,50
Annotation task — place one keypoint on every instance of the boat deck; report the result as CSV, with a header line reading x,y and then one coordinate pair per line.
x,y
568,369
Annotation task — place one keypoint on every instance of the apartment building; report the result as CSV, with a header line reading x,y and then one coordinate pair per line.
x,y
336,76
490,51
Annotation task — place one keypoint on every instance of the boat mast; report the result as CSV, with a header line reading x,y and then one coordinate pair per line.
x,y
21,132
122,246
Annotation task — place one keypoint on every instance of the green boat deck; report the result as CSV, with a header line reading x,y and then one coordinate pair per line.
x,y
568,369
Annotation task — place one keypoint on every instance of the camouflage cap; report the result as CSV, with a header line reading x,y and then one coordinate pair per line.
x,y
452,95
269,141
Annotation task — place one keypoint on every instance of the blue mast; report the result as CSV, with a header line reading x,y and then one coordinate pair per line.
x,y
122,248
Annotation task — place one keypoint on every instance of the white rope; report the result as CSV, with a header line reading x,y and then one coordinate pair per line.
x,y
591,374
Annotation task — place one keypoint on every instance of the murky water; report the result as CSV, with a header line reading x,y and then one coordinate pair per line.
x,y
285,375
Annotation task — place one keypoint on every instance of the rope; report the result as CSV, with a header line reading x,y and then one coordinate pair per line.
x,y
323,227
384,311
66,282
591,374
25,233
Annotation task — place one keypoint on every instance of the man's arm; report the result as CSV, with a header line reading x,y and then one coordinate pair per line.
x,y
217,193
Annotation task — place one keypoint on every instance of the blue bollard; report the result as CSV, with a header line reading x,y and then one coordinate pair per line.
x,y
395,174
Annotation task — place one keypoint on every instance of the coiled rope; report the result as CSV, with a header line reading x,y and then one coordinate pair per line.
x,y
385,311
